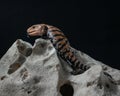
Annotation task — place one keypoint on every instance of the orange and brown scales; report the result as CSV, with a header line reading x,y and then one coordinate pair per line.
x,y
60,42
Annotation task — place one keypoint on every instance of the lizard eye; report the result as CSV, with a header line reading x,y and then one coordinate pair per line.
x,y
33,27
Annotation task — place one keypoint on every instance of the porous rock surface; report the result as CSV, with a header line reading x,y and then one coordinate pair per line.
x,y
27,70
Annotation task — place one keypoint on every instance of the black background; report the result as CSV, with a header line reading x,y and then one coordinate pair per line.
x,y
91,26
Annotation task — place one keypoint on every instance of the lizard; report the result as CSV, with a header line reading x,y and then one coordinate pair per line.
x,y
60,43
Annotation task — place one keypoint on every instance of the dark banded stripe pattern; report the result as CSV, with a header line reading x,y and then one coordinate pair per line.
x,y
63,48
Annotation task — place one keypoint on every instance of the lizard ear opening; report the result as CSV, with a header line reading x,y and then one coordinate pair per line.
x,y
44,29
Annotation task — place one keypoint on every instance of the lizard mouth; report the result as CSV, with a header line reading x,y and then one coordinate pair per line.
x,y
30,32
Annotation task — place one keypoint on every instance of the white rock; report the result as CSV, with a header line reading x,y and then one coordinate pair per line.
x,y
39,71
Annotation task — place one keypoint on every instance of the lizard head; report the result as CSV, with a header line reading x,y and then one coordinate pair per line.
x,y
37,30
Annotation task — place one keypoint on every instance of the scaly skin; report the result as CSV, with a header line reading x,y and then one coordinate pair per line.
x,y
60,43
